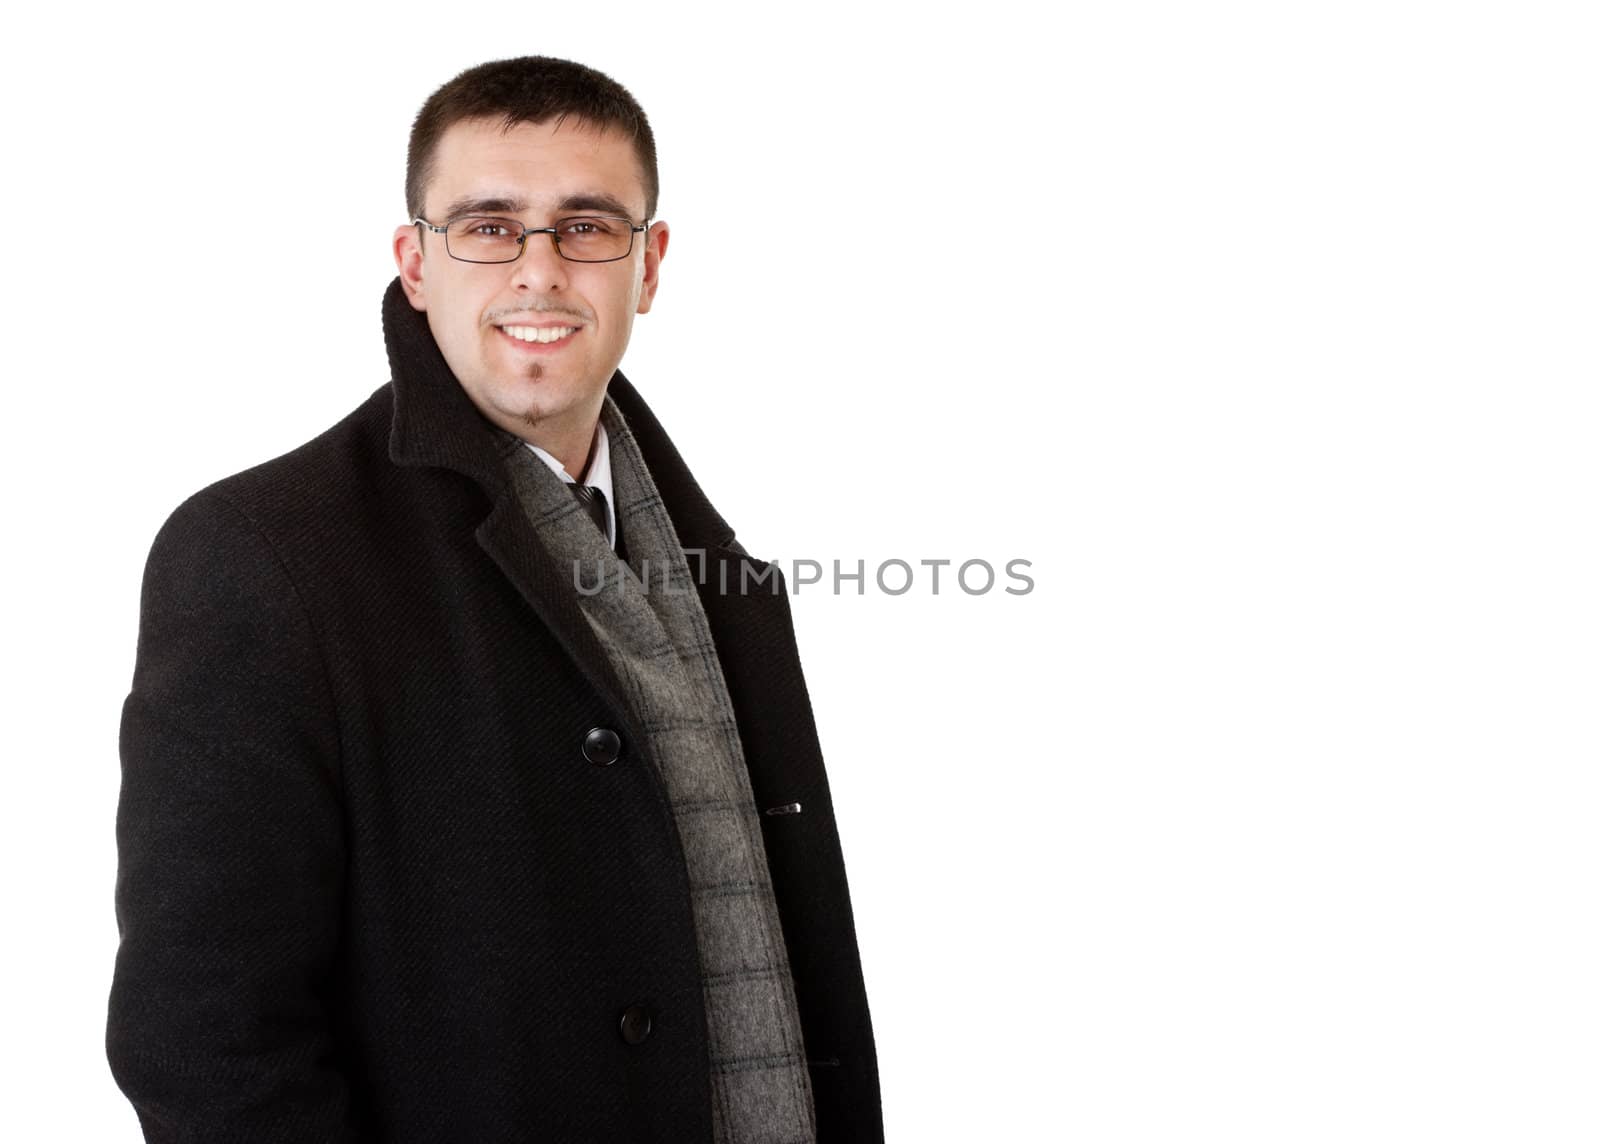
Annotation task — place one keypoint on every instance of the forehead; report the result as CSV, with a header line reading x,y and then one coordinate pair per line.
x,y
541,164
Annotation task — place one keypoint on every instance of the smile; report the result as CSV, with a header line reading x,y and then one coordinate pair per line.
x,y
539,335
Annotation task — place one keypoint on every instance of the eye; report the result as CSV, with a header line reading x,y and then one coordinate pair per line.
x,y
589,227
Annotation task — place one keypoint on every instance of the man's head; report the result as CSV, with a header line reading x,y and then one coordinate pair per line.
x,y
533,140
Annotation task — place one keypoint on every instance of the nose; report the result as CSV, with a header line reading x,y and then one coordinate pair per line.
x,y
539,268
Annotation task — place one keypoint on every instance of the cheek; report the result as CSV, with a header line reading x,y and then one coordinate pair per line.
x,y
624,305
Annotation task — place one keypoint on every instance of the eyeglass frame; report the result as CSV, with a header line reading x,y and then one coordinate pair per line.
x,y
522,239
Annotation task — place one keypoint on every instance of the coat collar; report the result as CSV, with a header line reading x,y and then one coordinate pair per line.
x,y
436,424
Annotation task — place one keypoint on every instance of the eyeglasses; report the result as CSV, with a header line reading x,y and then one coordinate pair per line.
x,y
587,238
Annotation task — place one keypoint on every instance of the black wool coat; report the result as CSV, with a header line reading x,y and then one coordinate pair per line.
x,y
372,885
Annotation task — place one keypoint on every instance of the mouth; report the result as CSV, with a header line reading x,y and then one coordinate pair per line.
x,y
538,339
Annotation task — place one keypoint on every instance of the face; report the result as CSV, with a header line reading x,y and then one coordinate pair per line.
x,y
547,393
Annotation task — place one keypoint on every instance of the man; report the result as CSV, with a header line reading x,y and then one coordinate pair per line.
x,y
418,841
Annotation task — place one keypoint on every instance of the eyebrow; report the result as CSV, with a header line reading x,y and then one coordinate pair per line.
x,y
502,204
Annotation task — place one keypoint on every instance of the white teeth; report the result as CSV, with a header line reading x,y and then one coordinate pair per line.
x,y
529,334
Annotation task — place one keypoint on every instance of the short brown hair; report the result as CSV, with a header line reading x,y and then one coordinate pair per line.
x,y
529,89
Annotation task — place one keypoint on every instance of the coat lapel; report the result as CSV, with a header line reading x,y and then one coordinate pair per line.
x,y
436,425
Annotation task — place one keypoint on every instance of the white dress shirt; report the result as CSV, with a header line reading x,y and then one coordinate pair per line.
x,y
598,474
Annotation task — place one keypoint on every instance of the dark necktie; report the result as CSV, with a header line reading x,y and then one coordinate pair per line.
x,y
593,501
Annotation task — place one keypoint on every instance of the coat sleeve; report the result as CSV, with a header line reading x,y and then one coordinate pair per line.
x,y
230,849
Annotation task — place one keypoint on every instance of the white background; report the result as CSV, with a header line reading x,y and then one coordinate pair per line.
x,y
1266,332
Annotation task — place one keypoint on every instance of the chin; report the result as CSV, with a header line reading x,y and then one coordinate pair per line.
x,y
532,416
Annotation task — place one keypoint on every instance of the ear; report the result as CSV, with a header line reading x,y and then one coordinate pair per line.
x,y
655,249
408,258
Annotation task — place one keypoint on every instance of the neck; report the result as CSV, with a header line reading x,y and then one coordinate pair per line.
x,y
569,442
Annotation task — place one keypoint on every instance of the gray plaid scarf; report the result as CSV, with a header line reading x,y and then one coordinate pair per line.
x,y
657,638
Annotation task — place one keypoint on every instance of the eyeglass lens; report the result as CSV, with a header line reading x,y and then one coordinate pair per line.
x,y
585,239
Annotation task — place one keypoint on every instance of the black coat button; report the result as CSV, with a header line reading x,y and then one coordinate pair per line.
x,y
635,1024
602,746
